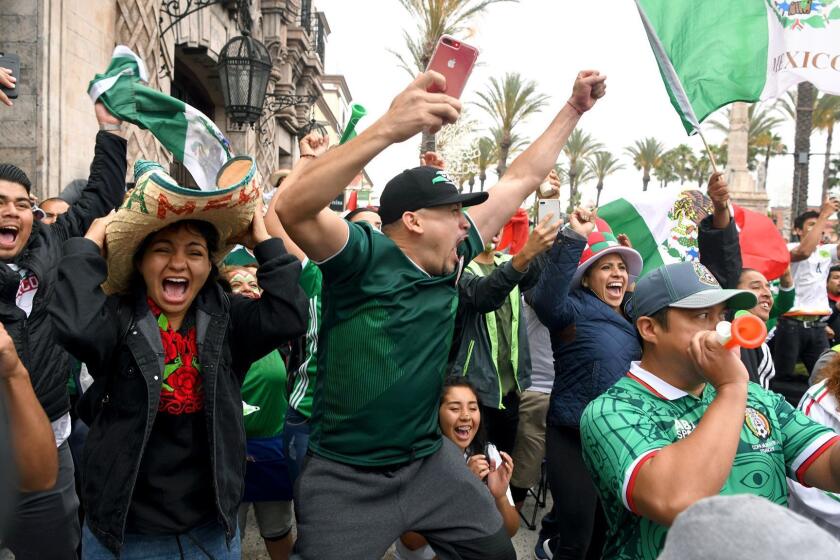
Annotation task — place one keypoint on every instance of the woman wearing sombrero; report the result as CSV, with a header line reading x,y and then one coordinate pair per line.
x,y
579,298
164,462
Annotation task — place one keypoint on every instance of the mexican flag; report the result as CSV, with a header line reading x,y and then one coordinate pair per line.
x,y
663,225
183,130
715,52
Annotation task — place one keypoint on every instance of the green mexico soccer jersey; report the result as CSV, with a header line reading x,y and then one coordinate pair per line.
x,y
304,380
387,328
641,414
264,395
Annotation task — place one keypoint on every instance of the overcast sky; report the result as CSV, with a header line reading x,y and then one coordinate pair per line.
x,y
547,41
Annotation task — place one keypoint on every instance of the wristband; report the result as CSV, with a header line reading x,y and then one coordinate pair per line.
x,y
109,126
307,155
579,112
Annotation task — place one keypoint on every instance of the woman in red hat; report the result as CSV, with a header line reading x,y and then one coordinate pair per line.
x,y
580,299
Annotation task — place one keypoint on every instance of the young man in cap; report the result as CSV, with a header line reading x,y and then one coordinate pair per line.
x,y
378,465
685,423
30,252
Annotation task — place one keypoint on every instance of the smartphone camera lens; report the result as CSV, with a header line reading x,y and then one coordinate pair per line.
x,y
446,41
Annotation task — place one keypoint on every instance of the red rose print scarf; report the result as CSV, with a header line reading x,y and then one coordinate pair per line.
x,y
182,391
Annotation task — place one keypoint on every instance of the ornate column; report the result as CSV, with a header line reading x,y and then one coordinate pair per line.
x,y
742,186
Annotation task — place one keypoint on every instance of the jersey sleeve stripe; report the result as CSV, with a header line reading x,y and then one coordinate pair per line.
x,y
819,446
630,478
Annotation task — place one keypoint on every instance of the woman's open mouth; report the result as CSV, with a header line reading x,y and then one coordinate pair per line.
x,y
175,289
614,289
463,433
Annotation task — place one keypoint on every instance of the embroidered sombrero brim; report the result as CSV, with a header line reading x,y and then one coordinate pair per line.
x,y
157,201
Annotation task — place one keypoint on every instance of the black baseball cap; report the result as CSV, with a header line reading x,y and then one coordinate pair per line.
x,y
421,187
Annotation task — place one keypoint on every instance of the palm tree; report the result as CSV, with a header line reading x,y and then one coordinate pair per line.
x,y
646,155
701,170
666,170
579,146
761,121
602,164
486,154
509,102
582,173
435,18
683,160
826,113
771,144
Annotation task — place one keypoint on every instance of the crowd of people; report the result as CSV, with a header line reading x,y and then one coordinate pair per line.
x,y
390,378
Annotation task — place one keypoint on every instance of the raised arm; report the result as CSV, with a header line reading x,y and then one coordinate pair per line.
x,y
489,293
105,188
84,324
311,146
551,300
808,244
33,442
302,205
260,325
718,240
531,167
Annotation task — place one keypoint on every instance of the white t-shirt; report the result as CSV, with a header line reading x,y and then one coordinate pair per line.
x,y
809,277
26,290
821,507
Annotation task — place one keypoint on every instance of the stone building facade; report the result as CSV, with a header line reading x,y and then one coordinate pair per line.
x,y
50,130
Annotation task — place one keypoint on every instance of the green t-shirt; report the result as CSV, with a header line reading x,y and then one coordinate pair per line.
x,y
264,389
300,398
783,301
385,338
641,414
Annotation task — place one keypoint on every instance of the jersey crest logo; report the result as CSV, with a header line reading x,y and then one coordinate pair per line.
x,y
683,428
704,275
757,423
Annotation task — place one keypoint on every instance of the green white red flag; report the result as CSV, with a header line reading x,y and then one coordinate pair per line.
x,y
183,130
663,225
715,52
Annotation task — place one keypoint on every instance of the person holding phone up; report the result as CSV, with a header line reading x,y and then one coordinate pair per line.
x,y
388,316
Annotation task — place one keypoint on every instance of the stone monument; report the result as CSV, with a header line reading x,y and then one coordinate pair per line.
x,y
742,185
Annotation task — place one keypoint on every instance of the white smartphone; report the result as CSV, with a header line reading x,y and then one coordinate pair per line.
x,y
548,206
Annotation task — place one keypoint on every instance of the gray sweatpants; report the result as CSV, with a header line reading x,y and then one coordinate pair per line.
x,y
46,524
346,512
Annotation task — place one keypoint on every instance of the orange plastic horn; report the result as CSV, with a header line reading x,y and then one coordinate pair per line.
x,y
746,331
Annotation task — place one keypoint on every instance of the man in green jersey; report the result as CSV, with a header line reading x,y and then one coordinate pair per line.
x,y
296,430
378,466
685,423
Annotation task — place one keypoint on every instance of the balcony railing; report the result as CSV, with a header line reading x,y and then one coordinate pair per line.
x,y
311,23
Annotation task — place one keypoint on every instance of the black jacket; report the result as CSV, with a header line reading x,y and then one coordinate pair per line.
x,y
479,296
34,336
720,252
119,340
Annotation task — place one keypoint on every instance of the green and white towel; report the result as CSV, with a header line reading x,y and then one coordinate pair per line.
x,y
191,137
715,52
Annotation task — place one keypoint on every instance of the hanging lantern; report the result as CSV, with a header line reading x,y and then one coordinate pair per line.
x,y
244,68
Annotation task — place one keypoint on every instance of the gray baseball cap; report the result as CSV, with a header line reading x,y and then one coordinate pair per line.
x,y
685,285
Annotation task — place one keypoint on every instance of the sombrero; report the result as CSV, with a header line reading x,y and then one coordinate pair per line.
x,y
157,201
600,244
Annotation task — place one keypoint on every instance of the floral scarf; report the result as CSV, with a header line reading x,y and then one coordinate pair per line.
x,y
182,391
